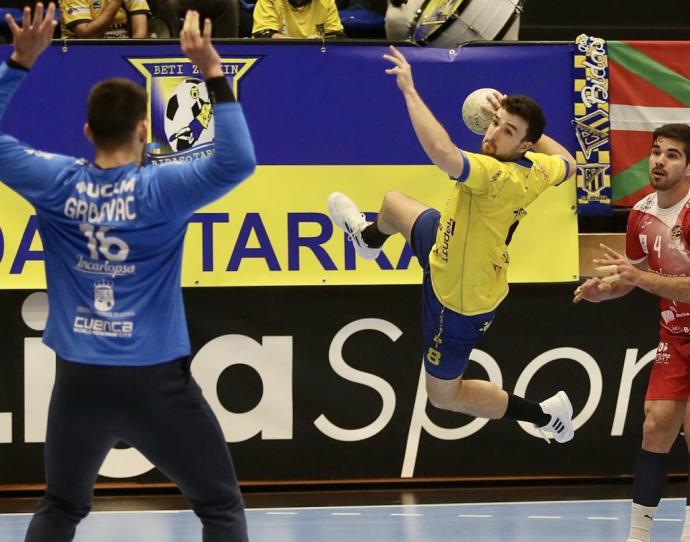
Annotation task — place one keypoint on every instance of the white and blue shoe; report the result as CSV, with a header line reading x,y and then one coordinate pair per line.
x,y
560,428
345,214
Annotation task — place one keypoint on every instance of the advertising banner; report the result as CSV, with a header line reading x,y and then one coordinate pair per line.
x,y
321,122
325,384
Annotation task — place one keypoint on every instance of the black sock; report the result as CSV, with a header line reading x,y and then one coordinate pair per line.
x,y
650,478
373,237
524,410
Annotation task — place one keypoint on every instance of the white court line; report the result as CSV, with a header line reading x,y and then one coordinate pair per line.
x,y
475,515
405,514
544,517
668,519
457,505
282,513
603,518
446,505
346,513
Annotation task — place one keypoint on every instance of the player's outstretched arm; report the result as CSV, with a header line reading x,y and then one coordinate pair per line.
x,y
181,188
27,171
674,288
616,278
35,34
433,137
198,47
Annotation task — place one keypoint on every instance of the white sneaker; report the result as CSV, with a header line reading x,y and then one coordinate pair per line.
x,y
348,218
560,428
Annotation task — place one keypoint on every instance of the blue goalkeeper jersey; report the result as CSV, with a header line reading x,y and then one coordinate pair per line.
x,y
113,239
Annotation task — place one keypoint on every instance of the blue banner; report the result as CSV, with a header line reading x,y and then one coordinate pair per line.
x,y
304,106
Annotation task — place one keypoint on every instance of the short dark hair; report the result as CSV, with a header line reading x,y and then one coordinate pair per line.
x,y
528,110
114,108
678,131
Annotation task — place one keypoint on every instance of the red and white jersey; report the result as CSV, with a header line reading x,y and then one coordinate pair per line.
x,y
662,237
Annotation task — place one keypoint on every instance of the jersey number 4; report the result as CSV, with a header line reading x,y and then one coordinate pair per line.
x,y
112,248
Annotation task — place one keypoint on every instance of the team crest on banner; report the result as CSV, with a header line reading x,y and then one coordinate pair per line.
x,y
592,126
180,114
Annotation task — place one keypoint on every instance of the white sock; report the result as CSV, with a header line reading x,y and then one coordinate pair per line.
x,y
641,522
685,536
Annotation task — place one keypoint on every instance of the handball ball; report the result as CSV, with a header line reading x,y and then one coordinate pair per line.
x,y
475,118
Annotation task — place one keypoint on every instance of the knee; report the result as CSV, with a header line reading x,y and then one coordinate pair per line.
x,y
657,435
392,198
445,399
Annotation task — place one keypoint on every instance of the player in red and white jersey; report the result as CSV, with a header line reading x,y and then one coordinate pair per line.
x,y
658,240
657,260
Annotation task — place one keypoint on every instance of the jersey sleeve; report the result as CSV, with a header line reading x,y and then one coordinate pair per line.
x,y
74,12
480,173
333,24
635,250
31,173
266,16
136,7
182,188
548,170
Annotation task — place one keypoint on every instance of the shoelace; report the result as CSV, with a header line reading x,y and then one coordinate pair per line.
x,y
351,235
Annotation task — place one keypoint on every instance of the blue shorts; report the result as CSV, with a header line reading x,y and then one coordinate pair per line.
x,y
447,336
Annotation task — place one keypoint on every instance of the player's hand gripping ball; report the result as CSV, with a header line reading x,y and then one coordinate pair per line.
x,y
474,117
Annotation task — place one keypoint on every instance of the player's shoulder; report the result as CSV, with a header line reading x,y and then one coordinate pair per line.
x,y
645,204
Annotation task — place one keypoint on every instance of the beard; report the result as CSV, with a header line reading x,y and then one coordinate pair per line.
x,y
488,148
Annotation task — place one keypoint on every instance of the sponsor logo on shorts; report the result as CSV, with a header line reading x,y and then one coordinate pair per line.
x,y
662,353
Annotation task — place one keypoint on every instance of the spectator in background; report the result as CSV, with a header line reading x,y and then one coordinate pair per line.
x,y
105,19
225,14
310,19
165,21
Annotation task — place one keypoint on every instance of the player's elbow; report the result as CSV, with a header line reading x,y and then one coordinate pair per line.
x,y
247,167
572,167
244,164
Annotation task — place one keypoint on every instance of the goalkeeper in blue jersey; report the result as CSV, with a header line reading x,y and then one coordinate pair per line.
x,y
112,233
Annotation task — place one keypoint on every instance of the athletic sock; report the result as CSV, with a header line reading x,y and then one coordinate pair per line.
x,y
650,478
640,522
373,237
522,409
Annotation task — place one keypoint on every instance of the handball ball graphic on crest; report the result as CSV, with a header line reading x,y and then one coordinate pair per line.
x,y
474,117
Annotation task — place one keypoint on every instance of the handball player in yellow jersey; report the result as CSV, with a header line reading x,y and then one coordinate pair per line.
x,y
463,250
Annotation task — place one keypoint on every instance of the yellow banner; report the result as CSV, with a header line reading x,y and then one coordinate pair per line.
x,y
274,230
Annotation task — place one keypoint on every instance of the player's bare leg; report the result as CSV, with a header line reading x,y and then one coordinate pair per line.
x,y
479,398
398,214
661,426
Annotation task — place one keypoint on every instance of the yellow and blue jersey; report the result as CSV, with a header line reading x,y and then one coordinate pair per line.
x,y
319,17
75,12
469,260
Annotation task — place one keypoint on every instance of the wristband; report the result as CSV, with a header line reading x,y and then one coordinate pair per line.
x,y
219,90
16,65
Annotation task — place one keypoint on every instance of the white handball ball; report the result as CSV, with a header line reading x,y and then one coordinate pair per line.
x,y
474,117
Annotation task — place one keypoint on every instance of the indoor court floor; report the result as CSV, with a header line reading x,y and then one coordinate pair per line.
x,y
410,520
